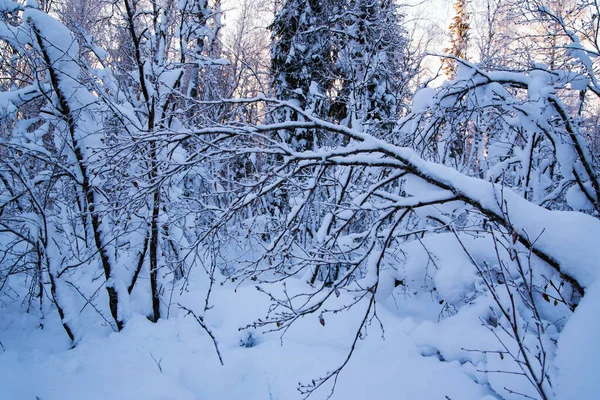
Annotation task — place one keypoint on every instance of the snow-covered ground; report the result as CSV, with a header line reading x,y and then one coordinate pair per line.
x,y
447,325
418,357
175,359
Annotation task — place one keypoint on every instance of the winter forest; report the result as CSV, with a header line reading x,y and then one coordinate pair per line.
x,y
291,199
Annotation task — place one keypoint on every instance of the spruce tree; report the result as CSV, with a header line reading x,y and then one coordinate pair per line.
x,y
373,48
303,60
340,60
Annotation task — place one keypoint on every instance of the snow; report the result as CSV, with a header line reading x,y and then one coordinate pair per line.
x,y
9,6
436,333
559,233
578,200
444,260
578,354
423,99
127,365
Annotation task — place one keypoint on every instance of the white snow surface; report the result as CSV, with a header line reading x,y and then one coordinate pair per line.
x,y
38,363
578,354
424,352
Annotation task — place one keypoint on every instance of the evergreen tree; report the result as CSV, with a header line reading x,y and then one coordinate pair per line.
x,y
303,60
459,31
341,60
373,50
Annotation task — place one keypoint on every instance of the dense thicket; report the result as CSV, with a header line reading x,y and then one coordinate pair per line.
x,y
128,161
